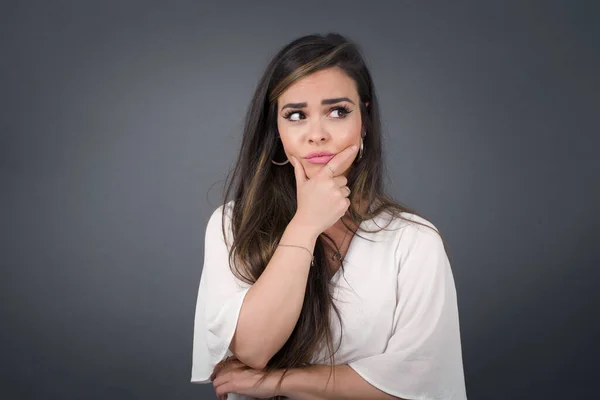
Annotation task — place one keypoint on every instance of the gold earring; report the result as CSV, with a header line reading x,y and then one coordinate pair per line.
x,y
280,163
360,151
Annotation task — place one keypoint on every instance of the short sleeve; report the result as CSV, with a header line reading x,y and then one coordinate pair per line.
x,y
423,357
220,298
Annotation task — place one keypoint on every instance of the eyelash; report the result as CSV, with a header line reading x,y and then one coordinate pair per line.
x,y
345,111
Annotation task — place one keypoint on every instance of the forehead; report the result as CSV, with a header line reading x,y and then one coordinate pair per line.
x,y
327,83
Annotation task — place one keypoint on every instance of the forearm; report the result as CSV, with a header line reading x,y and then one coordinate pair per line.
x,y
311,384
273,304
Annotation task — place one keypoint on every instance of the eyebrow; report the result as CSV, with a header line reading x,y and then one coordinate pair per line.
x,y
324,101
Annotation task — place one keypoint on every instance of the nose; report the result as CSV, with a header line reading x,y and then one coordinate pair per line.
x,y
317,132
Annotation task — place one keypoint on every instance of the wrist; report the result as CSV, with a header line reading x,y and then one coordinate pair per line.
x,y
292,384
305,229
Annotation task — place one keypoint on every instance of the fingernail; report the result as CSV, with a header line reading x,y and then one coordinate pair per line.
x,y
354,147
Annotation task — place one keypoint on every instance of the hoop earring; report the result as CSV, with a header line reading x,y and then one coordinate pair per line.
x,y
360,152
280,163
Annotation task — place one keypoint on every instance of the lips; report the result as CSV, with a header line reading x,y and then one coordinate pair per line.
x,y
318,154
320,159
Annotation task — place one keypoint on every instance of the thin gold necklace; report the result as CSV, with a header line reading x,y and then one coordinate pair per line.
x,y
337,256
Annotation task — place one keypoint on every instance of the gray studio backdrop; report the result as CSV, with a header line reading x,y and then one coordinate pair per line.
x,y
119,121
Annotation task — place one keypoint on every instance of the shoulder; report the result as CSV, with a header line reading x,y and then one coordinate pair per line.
x,y
218,212
406,224
407,232
220,215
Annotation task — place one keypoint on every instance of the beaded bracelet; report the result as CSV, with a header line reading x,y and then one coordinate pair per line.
x,y
312,258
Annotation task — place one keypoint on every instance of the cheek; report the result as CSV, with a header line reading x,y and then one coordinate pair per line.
x,y
344,135
284,137
290,139
345,129
288,144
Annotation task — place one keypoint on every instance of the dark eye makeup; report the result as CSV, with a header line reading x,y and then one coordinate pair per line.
x,y
343,110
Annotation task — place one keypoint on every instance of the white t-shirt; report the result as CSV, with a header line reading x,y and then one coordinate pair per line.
x,y
397,300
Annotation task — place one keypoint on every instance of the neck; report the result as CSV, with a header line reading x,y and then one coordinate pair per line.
x,y
339,228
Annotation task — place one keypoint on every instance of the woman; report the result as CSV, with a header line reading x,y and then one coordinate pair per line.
x,y
311,271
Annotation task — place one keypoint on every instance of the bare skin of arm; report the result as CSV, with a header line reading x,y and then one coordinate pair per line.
x,y
273,304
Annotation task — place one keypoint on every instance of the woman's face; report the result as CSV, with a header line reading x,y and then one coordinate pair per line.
x,y
319,113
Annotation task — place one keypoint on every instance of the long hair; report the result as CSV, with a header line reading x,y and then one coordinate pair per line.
x,y
264,194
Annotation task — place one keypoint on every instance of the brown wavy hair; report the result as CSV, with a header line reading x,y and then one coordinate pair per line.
x,y
264,194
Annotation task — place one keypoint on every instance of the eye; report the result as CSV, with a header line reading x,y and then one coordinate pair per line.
x,y
343,111
289,114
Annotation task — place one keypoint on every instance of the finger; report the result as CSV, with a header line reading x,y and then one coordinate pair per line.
x,y
340,180
298,170
218,368
225,384
335,163
224,364
222,392
225,374
345,191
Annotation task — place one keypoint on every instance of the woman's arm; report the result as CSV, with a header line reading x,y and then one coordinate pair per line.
x,y
311,384
272,305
